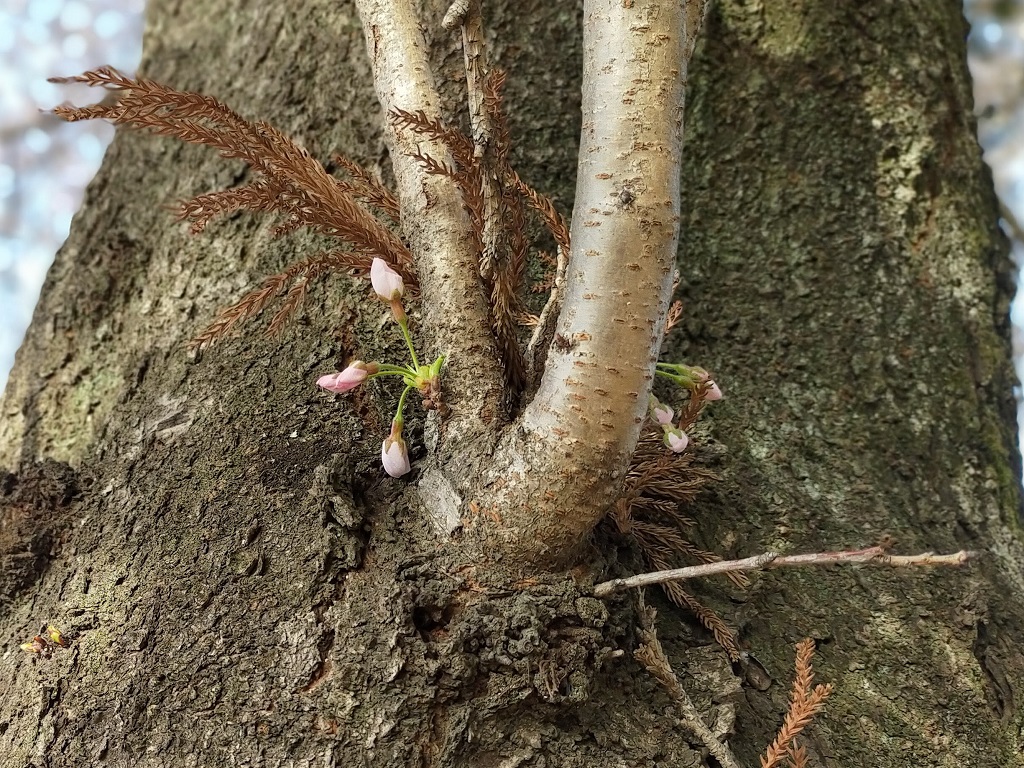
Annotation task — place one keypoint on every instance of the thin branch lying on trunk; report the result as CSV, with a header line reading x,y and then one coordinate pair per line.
x,y
766,560
651,655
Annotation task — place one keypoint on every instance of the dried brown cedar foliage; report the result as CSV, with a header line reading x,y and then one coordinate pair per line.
x,y
289,182
805,704
298,276
658,486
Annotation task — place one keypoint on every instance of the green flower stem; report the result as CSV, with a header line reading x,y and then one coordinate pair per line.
x,y
388,368
684,375
389,373
404,325
398,420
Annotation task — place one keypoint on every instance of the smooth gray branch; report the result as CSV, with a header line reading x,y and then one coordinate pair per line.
x,y
573,445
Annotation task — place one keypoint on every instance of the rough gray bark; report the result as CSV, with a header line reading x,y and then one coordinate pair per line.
x,y
241,587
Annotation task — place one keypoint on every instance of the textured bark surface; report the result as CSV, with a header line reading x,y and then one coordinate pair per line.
x,y
241,586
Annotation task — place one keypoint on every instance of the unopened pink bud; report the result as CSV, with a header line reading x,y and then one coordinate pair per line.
x,y
394,455
662,414
676,440
347,380
386,282
712,392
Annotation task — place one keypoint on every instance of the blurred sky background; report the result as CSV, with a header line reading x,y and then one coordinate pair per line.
x,y
45,163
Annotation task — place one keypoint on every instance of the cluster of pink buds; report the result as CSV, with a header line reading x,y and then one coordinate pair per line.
x,y
675,439
703,389
425,379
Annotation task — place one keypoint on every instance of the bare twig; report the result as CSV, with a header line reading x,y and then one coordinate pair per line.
x,y
651,655
871,555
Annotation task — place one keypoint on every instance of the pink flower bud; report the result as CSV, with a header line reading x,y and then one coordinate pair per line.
x,y
386,282
346,380
676,440
661,413
394,455
712,392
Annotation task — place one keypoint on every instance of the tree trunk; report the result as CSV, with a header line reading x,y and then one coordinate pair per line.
x,y
238,582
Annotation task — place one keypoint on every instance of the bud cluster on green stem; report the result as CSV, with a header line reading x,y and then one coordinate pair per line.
x,y
425,379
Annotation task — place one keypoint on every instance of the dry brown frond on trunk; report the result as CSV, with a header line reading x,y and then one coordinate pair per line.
x,y
553,220
805,703
675,312
304,190
493,85
289,182
370,189
659,484
258,299
797,755
722,632
458,144
496,199
486,184
258,196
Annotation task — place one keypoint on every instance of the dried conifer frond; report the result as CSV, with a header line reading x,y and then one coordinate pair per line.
x,y
501,137
509,277
291,182
501,142
546,283
257,196
368,188
458,144
500,243
496,199
513,212
722,632
436,167
294,299
258,299
652,657
668,540
675,312
658,486
797,755
553,220
804,705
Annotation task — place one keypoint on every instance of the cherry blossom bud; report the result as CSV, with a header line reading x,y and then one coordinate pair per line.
x,y
386,282
676,440
394,454
660,412
712,392
349,379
